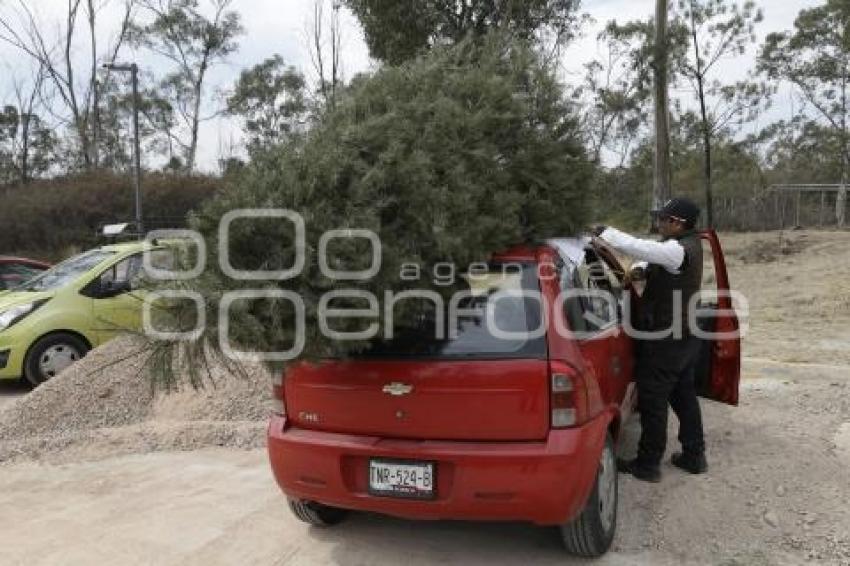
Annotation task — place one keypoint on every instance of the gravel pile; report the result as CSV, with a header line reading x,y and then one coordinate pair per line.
x,y
226,396
107,388
105,405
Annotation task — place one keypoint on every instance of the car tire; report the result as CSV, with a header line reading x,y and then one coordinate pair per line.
x,y
317,514
591,533
51,354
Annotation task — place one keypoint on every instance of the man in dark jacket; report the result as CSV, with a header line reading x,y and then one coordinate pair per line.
x,y
666,361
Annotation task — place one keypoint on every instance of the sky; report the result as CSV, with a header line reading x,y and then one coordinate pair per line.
x,y
279,26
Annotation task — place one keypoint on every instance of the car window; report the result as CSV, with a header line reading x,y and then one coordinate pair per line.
x,y
12,274
597,309
601,302
18,269
574,307
66,272
126,270
494,293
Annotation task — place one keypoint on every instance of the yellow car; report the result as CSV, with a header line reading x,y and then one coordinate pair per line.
x,y
52,320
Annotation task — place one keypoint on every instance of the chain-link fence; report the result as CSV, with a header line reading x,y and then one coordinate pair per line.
x,y
779,207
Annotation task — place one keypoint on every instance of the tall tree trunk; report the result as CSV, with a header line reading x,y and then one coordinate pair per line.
x,y
318,6
662,177
335,49
706,143
706,127
193,143
841,197
95,124
80,121
25,147
196,117
95,127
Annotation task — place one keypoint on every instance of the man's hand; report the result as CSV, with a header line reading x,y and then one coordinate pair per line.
x,y
637,273
606,253
596,230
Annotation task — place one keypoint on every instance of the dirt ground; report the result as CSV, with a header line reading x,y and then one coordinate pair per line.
x,y
777,493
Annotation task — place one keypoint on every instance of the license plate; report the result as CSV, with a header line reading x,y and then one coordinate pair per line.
x,y
397,478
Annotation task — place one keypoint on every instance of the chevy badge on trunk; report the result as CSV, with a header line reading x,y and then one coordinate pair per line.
x,y
397,389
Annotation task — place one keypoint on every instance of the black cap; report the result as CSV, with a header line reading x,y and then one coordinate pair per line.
x,y
681,209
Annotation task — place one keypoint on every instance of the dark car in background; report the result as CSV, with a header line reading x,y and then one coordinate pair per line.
x,y
14,270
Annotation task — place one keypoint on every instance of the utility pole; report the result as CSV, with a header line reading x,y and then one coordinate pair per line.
x,y
133,69
661,180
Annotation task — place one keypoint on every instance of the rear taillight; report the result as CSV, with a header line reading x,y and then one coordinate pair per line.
x,y
278,401
567,397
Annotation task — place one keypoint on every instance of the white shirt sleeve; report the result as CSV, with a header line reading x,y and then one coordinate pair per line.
x,y
669,254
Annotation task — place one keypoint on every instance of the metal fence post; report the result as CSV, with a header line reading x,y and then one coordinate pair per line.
x,y
797,213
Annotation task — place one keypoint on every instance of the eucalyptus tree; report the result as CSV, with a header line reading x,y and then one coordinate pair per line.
x,y
70,81
271,100
398,31
717,30
815,58
186,36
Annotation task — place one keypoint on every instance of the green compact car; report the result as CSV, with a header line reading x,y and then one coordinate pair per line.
x,y
52,320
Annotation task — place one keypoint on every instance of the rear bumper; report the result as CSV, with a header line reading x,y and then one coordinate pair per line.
x,y
544,482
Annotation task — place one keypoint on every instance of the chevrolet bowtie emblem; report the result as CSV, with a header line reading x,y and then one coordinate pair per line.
x,y
397,389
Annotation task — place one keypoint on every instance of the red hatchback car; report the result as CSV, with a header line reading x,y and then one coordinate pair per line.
x,y
15,270
479,427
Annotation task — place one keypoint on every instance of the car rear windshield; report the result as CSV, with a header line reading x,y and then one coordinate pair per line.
x,y
513,317
12,274
66,272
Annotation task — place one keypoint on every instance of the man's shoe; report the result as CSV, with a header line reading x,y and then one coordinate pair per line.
x,y
640,470
695,464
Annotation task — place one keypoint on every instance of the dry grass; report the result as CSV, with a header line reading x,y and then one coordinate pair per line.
x,y
799,298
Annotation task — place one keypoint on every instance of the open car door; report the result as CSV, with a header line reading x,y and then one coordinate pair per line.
x,y
719,369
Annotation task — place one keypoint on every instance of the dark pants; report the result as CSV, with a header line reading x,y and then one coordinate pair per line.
x,y
665,374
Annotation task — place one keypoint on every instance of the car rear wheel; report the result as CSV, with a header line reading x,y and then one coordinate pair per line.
x,y
52,354
317,514
591,533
